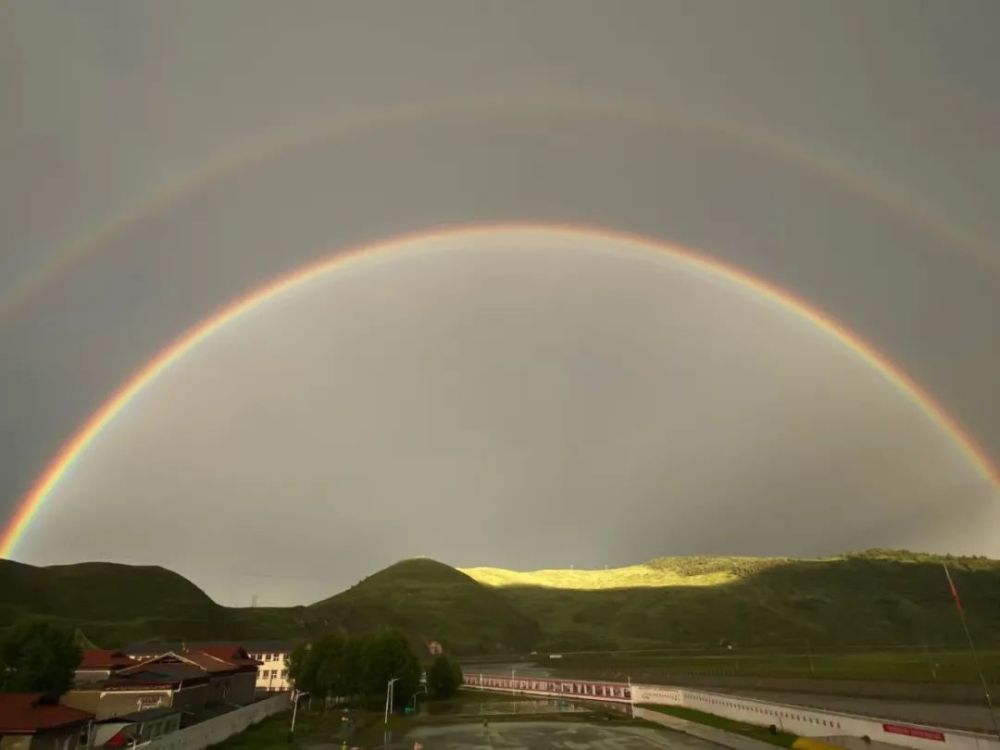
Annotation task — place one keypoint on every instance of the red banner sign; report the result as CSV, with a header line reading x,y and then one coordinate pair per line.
x,y
924,734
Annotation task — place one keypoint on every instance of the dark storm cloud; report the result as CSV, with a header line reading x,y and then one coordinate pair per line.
x,y
108,104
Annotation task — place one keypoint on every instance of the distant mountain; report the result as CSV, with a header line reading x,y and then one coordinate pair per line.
x,y
877,598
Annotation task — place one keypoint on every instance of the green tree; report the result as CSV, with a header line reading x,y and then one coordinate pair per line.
x,y
302,668
443,677
356,667
38,656
386,656
329,655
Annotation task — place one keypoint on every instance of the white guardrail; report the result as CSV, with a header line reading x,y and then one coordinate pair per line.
x,y
801,720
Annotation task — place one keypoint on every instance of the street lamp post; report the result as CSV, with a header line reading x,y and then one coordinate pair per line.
x,y
631,700
388,698
296,697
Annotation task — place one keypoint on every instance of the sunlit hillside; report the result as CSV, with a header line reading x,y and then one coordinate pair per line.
x,y
872,600
658,573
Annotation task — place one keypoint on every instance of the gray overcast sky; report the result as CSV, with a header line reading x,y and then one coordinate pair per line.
x,y
520,402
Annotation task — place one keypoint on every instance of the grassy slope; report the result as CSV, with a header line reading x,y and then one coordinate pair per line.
x,y
876,599
659,573
111,603
433,601
871,601
781,739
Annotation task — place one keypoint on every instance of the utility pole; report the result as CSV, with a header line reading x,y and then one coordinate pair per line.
x,y
972,648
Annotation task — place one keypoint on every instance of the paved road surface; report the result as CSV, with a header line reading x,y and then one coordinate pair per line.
x,y
958,716
543,735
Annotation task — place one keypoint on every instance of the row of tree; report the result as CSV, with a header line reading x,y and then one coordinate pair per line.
x,y
358,668
37,656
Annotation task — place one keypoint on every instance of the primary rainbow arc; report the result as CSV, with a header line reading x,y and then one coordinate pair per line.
x,y
70,452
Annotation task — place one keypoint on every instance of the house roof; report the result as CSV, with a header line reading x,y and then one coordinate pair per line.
x,y
229,654
105,659
30,713
200,660
210,663
157,673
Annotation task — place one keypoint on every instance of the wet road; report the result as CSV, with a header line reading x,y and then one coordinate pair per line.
x,y
542,735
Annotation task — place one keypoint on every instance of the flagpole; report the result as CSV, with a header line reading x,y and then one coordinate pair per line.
x,y
972,648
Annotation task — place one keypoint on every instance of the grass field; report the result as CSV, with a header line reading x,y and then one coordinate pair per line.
x,y
782,739
902,665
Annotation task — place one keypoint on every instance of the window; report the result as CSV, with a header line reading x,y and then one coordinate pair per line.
x,y
284,673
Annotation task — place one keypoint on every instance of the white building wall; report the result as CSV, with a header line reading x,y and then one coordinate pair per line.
x,y
214,731
272,674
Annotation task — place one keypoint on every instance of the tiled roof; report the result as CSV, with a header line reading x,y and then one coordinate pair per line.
x,y
231,654
104,659
208,662
28,713
158,672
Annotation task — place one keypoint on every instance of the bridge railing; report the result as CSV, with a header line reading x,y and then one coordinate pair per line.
x,y
600,690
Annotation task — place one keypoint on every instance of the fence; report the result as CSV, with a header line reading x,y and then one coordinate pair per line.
x,y
219,728
800,720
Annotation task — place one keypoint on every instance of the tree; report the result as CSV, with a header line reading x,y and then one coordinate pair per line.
x,y
302,668
328,653
443,677
385,656
359,666
38,656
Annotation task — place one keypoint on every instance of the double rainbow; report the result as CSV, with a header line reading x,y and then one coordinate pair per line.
x,y
71,451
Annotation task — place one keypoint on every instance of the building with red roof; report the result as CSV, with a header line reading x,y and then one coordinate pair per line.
x,y
271,657
188,681
35,721
100,664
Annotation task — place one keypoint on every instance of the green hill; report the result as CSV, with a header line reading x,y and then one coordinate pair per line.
x,y
874,599
432,601
110,603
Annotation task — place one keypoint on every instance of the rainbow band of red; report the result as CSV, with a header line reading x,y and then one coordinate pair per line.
x,y
72,449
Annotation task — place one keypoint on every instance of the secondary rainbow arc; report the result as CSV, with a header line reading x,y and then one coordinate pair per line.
x,y
71,451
